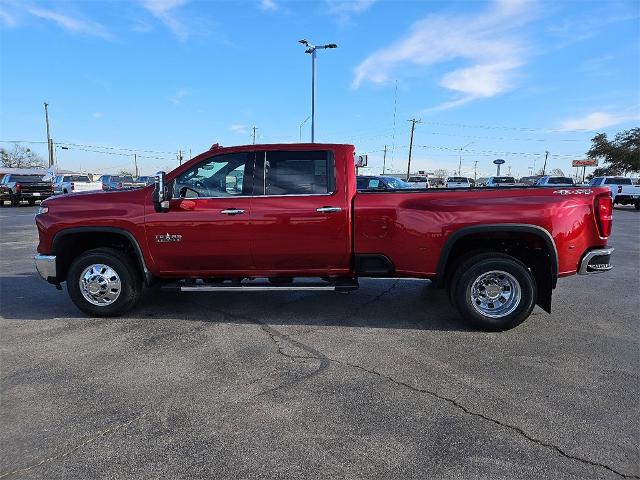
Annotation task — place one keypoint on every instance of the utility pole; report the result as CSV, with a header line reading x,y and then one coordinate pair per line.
x,y
179,155
475,170
254,134
544,168
135,162
413,127
509,170
49,141
384,160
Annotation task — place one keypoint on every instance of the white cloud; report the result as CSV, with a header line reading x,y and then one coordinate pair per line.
x,y
597,120
98,114
489,42
163,10
72,24
7,19
240,129
345,9
269,5
177,97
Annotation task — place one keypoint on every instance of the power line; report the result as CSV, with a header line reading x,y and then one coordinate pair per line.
x,y
124,149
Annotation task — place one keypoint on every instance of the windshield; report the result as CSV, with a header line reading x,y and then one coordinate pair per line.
x,y
76,178
418,179
504,180
396,183
457,180
26,178
560,181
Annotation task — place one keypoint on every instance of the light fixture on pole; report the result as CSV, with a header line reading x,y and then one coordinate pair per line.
x,y
312,50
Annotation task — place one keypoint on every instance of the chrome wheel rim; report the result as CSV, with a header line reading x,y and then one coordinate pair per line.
x,y
100,284
495,294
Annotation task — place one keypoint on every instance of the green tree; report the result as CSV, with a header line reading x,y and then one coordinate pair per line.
x,y
620,155
20,157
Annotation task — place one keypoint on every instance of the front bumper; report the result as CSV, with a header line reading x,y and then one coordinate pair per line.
x,y
596,261
46,267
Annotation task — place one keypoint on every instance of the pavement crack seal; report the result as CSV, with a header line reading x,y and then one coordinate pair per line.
x,y
467,411
96,436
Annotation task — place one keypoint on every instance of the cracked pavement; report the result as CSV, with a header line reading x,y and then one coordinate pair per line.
x,y
384,382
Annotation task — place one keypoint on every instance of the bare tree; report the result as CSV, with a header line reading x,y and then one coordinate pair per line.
x,y
441,173
125,172
20,157
556,172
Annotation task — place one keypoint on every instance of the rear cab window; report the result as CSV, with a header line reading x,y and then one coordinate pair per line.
x,y
560,181
618,181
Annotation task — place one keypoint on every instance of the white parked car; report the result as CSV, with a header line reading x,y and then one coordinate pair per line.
x,y
551,181
457,182
623,191
500,182
73,183
419,182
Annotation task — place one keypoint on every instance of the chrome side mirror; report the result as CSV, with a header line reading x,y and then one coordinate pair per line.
x,y
160,194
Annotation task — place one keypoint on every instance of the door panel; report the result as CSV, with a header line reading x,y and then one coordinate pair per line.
x,y
289,232
206,231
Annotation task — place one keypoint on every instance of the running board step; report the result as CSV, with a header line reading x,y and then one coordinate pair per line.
x,y
249,286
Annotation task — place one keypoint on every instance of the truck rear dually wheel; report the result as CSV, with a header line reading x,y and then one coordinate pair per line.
x,y
104,283
493,291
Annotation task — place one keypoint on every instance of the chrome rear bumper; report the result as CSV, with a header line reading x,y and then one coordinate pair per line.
x,y
596,261
46,266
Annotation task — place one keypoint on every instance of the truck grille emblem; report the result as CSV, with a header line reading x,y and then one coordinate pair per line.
x,y
168,237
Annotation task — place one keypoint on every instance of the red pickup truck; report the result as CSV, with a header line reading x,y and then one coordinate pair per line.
x,y
289,216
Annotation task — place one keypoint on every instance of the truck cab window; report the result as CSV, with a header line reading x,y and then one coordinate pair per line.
x,y
220,176
296,173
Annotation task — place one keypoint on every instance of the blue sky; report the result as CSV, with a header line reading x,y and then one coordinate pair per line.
x,y
511,78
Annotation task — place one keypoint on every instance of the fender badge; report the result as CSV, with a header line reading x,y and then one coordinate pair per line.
x,y
168,237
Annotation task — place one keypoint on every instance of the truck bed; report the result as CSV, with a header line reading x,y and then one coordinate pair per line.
x,y
412,226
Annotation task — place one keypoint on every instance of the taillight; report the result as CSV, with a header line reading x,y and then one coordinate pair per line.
x,y
604,214
73,186
18,187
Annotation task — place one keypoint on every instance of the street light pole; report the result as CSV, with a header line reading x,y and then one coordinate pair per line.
x,y
312,50
460,159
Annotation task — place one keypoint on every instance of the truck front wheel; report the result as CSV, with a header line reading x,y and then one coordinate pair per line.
x,y
104,283
493,291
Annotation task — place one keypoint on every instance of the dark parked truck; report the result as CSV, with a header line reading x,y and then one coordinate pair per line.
x,y
273,217
16,188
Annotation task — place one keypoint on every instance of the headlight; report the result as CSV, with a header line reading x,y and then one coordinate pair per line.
x,y
42,210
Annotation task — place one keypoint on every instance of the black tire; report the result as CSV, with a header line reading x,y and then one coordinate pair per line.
x,y
15,201
637,205
32,202
474,268
125,268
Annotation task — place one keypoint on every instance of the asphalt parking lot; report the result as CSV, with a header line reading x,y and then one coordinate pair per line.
x,y
384,382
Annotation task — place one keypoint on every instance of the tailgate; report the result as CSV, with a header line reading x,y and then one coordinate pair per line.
x,y
40,187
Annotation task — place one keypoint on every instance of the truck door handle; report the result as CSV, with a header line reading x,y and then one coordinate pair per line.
x,y
328,209
232,211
